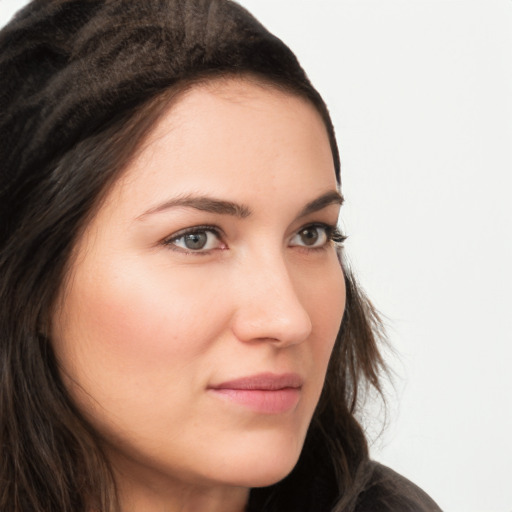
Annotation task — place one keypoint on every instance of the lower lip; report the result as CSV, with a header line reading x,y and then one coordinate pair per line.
x,y
264,401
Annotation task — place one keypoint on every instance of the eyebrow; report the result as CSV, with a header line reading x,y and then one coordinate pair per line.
x,y
222,207
203,203
331,197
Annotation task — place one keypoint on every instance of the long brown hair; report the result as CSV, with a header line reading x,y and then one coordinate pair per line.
x,y
81,84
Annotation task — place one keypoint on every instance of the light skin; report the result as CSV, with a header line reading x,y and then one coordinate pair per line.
x,y
152,317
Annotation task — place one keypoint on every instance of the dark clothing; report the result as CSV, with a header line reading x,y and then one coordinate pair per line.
x,y
387,491
384,491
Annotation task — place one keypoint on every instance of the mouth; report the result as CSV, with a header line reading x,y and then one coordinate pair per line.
x,y
265,393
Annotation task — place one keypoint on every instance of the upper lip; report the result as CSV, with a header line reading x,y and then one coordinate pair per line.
x,y
263,381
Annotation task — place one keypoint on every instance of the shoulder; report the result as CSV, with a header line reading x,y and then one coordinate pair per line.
x,y
387,491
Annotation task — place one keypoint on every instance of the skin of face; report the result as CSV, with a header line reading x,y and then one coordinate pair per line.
x,y
144,326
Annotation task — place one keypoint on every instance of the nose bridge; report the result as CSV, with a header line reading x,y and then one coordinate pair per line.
x,y
268,306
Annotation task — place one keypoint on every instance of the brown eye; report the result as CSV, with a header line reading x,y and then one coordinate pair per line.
x,y
311,236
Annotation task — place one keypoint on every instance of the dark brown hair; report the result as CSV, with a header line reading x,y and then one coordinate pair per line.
x,y
82,82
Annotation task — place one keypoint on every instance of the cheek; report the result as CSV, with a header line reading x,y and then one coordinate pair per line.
x,y
134,331
325,302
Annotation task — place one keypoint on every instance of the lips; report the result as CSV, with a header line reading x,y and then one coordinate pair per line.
x,y
264,393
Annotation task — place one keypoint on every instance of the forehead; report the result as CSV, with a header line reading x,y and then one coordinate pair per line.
x,y
234,137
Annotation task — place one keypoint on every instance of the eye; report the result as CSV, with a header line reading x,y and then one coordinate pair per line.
x,y
315,236
199,239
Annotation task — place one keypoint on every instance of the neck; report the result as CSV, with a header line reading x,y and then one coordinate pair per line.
x,y
191,499
150,492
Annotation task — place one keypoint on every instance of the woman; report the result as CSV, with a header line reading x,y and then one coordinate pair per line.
x,y
177,330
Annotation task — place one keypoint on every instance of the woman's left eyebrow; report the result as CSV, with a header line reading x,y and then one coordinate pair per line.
x,y
331,197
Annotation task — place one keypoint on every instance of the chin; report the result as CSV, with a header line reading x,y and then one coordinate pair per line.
x,y
262,464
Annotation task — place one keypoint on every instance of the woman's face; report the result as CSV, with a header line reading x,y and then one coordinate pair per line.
x,y
203,300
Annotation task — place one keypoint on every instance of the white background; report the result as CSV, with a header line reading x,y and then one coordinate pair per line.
x,y
421,96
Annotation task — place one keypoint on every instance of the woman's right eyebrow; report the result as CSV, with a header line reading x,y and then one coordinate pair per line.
x,y
203,203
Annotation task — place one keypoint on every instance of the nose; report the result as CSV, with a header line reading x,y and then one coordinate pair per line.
x,y
268,307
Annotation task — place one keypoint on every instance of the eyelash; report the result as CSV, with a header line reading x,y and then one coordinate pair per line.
x,y
333,237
